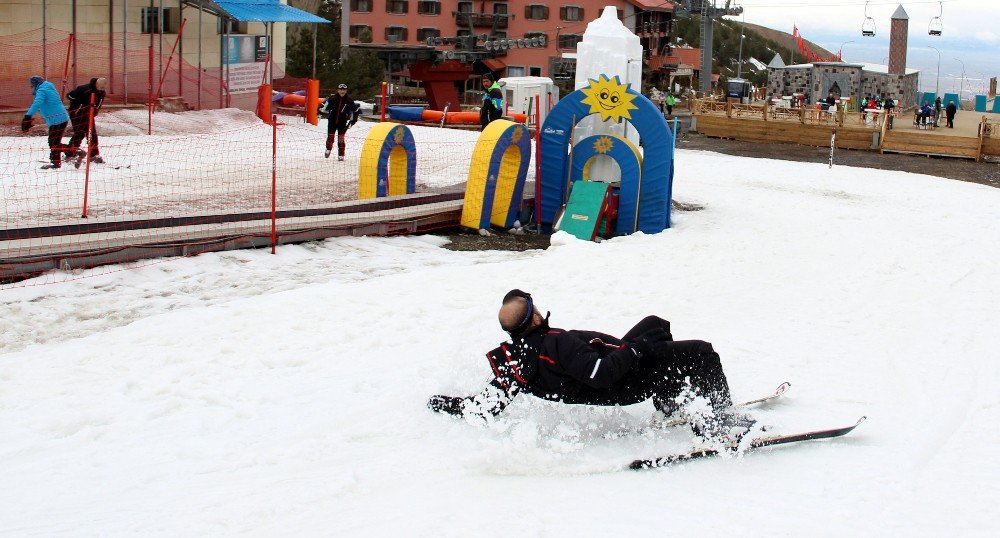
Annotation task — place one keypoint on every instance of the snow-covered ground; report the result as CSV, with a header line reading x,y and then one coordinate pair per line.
x,y
250,393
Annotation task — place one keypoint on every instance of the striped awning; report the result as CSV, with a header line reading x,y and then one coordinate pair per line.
x,y
263,11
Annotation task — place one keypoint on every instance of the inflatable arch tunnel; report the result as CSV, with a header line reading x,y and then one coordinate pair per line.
x,y
496,176
645,196
388,162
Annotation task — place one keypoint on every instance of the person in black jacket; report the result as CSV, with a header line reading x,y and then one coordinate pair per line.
x,y
592,368
949,112
80,108
342,113
492,108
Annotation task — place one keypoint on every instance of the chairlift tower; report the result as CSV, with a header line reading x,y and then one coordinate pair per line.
x,y
708,11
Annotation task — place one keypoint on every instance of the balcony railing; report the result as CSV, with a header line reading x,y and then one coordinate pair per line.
x,y
479,20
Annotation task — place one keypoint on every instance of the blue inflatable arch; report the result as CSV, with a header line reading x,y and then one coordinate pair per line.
x,y
656,140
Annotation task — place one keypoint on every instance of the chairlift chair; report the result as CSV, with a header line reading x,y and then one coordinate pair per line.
x,y
935,26
868,27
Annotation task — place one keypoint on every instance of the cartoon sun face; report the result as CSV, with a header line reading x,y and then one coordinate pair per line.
x,y
609,98
603,145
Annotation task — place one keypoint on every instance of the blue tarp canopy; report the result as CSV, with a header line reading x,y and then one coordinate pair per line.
x,y
263,11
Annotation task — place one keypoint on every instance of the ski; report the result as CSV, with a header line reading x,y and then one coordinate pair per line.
x,y
782,388
754,445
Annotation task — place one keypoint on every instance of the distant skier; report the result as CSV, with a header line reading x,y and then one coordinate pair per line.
x,y
80,108
592,368
342,113
950,112
492,107
47,102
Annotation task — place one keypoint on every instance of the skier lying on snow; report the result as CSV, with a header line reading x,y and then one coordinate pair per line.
x,y
592,368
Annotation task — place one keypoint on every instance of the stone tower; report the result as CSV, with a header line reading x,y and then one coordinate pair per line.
x,y
897,41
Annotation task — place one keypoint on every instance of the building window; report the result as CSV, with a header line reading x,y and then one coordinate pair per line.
x,y
571,13
229,26
569,41
356,29
536,12
463,32
361,6
394,34
397,7
515,71
429,7
465,7
154,23
500,8
535,71
424,33
540,35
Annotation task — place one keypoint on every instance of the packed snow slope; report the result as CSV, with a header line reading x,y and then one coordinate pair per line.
x,y
245,393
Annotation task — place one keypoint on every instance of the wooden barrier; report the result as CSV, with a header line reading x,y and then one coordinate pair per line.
x,y
783,131
931,144
866,130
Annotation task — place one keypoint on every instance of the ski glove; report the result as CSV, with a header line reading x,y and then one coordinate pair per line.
x,y
26,123
440,403
645,344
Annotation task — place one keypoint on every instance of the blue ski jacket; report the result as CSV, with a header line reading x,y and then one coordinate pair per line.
x,y
48,103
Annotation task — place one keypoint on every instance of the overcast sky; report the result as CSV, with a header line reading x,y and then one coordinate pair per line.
x,y
971,34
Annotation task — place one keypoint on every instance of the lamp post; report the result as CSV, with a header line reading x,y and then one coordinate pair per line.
x,y
937,82
961,86
841,53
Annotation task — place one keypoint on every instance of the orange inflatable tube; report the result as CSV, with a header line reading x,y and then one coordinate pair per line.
x,y
463,117
431,115
292,99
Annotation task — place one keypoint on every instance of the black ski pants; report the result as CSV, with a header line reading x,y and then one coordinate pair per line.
x,y
81,121
55,141
688,365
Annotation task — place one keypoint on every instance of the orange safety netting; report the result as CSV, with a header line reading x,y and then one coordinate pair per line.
x,y
123,58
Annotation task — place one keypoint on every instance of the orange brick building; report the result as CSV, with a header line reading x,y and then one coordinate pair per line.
x,y
399,32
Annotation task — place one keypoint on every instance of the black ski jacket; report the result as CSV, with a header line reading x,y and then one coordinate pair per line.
x,y
342,111
553,364
79,97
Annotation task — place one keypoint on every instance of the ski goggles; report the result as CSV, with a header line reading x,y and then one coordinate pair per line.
x,y
528,314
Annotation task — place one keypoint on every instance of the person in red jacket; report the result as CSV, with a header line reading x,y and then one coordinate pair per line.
x,y
593,368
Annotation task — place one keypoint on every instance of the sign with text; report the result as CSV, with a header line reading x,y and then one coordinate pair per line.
x,y
244,78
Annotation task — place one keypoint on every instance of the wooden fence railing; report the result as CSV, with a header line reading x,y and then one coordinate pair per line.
x,y
867,130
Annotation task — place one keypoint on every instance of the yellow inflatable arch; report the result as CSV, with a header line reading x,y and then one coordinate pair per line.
x,y
388,162
496,176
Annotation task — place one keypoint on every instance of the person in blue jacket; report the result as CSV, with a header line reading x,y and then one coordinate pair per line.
x,y
48,103
492,101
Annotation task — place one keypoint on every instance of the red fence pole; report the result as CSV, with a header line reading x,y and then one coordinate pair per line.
x,y
538,163
69,50
149,90
90,148
274,182
163,76
382,107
